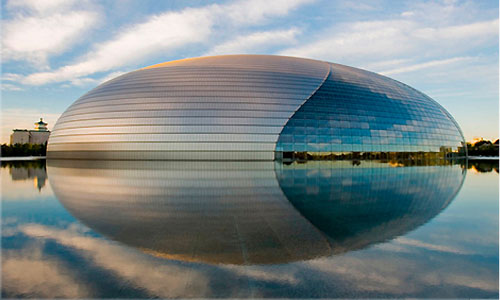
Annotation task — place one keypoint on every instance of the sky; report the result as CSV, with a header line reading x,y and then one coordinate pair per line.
x,y
55,51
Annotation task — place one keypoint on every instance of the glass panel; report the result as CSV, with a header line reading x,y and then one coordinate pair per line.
x,y
396,118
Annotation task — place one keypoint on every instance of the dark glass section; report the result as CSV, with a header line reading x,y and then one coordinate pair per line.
x,y
359,203
359,114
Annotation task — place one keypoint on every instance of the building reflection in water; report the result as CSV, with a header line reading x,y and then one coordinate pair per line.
x,y
27,170
252,212
357,204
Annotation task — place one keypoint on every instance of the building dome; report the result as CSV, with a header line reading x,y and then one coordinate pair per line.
x,y
253,107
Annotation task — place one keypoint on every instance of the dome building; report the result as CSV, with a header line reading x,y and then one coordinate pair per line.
x,y
254,107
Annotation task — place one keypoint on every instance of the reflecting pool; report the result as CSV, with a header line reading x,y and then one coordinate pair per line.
x,y
355,229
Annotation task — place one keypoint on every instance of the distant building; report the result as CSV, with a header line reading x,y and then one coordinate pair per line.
x,y
24,136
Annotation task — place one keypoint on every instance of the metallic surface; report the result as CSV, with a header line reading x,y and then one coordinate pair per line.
x,y
250,107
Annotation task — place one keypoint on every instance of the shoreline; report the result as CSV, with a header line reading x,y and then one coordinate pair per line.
x,y
483,158
21,158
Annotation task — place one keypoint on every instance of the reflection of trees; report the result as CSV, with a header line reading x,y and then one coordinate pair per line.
x,y
483,166
35,164
445,152
392,158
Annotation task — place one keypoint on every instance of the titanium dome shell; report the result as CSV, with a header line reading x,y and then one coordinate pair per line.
x,y
253,107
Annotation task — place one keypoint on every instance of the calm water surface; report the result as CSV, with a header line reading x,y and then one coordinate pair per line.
x,y
104,229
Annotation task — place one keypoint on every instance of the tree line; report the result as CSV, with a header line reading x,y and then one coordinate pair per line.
x,y
483,148
24,150
479,148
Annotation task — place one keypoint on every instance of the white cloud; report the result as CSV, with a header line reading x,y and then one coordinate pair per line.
x,y
423,31
256,42
10,87
11,77
87,81
472,33
44,30
254,11
391,63
41,6
429,64
110,76
84,81
379,40
149,38
164,33
358,5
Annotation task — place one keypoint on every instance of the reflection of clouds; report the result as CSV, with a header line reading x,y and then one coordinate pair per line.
x,y
262,274
461,281
8,226
407,268
9,231
392,247
8,221
464,235
369,274
433,261
397,269
399,274
135,269
428,246
29,273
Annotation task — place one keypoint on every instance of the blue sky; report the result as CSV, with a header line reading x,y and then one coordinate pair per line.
x,y
55,51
